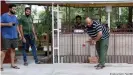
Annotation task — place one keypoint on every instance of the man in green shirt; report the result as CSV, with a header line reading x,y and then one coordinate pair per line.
x,y
28,33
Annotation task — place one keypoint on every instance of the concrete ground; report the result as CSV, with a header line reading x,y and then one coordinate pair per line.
x,y
67,69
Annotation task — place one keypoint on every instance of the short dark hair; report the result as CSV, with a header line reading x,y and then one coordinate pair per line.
x,y
11,5
78,17
27,8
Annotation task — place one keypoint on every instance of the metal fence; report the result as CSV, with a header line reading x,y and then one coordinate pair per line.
x,y
72,49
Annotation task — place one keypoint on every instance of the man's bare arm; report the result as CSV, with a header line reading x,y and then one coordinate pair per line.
x,y
6,24
21,30
18,30
20,36
33,30
22,33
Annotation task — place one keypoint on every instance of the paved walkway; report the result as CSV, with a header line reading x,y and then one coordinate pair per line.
x,y
67,69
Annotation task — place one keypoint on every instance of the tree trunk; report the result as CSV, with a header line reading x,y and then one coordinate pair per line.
x,y
130,15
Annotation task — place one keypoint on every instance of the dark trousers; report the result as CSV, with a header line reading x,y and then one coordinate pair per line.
x,y
102,48
29,41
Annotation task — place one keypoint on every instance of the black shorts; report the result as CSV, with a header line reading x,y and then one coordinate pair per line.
x,y
8,43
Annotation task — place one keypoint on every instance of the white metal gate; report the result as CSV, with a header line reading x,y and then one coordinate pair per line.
x,y
55,33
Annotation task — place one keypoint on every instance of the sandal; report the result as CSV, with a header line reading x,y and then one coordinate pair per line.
x,y
2,69
15,67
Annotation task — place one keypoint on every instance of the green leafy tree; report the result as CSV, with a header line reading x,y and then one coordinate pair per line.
x,y
45,23
20,10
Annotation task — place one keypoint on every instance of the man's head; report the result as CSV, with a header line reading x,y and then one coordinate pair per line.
x,y
78,19
27,11
88,21
12,9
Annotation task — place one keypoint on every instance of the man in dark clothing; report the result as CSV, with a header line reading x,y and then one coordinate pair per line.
x,y
28,35
78,24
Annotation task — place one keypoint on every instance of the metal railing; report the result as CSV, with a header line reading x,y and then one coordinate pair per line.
x,y
120,47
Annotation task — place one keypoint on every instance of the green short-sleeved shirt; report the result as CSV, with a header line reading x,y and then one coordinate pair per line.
x,y
26,22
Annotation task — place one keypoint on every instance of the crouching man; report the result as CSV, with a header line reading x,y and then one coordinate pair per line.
x,y
100,38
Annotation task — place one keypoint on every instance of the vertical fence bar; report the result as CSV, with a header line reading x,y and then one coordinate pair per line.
x,y
131,45
115,56
58,33
53,31
69,14
122,48
72,46
128,48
